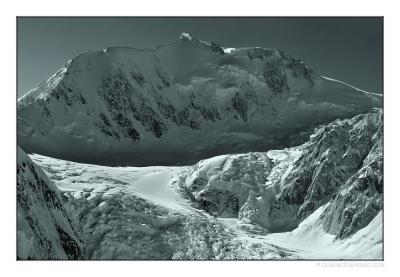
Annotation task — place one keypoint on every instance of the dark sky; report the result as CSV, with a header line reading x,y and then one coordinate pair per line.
x,y
347,49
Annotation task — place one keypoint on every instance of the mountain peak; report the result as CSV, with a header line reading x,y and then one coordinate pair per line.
x,y
185,36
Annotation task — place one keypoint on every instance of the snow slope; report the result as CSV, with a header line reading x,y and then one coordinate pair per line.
x,y
315,243
179,103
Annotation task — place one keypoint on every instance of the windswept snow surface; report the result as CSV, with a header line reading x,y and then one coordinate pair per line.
x,y
138,213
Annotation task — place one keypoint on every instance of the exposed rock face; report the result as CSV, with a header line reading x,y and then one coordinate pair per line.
x,y
221,185
332,156
341,165
45,228
179,103
360,199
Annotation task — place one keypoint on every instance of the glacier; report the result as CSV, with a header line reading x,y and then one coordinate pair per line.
x,y
236,206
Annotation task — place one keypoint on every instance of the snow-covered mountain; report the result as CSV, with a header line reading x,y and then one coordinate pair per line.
x,y
179,103
319,200
45,230
340,166
313,190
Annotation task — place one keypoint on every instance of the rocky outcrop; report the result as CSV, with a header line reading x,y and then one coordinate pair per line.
x,y
360,198
221,185
332,156
45,229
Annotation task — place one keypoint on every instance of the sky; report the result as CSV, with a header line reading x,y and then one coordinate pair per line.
x,y
347,49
